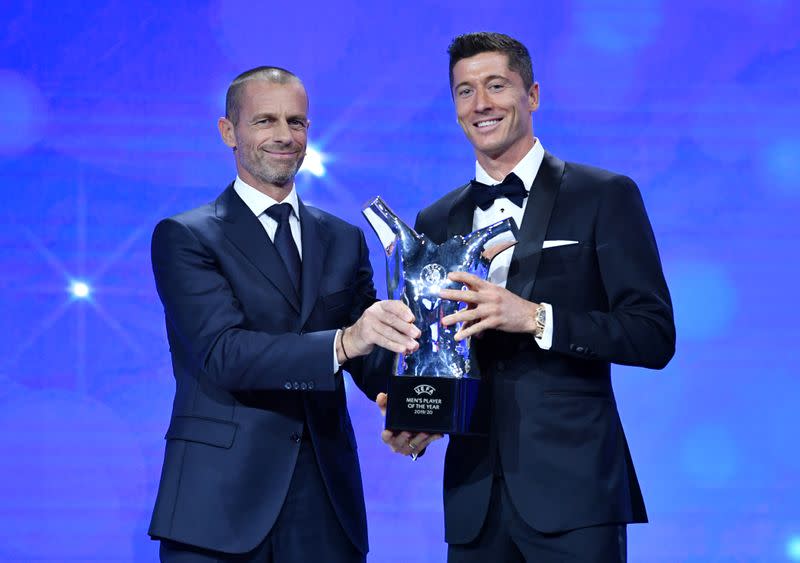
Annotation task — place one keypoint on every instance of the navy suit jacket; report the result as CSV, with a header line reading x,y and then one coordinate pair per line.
x,y
555,427
252,360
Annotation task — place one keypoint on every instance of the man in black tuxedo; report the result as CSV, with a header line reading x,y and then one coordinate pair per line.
x,y
261,461
584,288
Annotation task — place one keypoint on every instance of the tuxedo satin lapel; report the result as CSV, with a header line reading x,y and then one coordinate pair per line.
x,y
315,244
247,233
528,252
459,222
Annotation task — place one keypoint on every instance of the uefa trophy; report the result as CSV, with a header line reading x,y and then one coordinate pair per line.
x,y
437,388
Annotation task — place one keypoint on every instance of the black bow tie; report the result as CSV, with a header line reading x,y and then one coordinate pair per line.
x,y
511,188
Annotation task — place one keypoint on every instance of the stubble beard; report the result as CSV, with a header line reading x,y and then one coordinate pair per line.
x,y
276,174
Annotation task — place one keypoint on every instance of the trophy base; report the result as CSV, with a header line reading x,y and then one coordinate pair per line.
x,y
438,405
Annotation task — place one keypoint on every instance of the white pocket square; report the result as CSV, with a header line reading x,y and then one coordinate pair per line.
x,y
554,243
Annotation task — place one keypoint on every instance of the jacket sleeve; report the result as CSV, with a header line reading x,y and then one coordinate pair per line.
x,y
638,327
205,320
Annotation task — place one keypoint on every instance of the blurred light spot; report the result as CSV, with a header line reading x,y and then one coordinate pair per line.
x,y
22,113
80,290
709,455
783,165
704,299
313,162
793,548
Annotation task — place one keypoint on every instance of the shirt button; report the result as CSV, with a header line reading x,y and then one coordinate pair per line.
x,y
295,437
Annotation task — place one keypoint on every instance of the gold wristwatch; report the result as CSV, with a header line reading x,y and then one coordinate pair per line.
x,y
540,317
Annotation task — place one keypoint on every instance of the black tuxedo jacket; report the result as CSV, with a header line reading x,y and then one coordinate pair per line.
x,y
252,360
556,432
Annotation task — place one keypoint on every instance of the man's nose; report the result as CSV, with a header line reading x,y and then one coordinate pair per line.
x,y
281,132
482,101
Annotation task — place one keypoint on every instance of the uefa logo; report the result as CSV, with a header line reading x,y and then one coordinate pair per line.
x,y
425,390
432,274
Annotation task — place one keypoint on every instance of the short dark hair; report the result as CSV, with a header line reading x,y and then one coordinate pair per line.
x,y
273,74
471,44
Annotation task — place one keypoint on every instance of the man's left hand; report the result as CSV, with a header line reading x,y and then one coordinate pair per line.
x,y
489,307
404,443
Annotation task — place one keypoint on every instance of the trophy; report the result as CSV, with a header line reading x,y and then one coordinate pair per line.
x,y
437,388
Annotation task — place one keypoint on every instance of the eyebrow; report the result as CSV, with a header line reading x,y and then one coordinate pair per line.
x,y
487,79
258,116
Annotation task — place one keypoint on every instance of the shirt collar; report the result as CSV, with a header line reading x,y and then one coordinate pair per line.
x,y
526,169
258,202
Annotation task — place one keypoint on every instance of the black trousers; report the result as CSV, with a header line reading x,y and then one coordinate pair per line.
x,y
506,537
307,528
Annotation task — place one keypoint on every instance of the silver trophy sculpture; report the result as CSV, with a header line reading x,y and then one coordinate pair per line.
x,y
438,387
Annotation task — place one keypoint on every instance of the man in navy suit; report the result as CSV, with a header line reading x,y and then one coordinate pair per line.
x,y
265,300
582,289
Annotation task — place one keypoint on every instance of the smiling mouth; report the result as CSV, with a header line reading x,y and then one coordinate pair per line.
x,y
488,122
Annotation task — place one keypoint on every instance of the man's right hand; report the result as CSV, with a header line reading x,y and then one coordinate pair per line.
x,y
388,324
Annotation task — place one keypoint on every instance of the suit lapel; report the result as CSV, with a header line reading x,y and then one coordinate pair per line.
x,y
459,221
247,233
315,243
528,252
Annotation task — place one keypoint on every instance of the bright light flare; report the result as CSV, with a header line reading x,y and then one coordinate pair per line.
x,y
80,290
313,162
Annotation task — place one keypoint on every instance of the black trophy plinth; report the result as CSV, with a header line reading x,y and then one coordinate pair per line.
x,y
438,405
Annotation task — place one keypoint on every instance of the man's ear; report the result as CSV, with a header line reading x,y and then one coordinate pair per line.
x,y
533,97
227,132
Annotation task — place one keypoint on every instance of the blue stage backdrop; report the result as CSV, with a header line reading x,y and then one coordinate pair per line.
x,y
108,123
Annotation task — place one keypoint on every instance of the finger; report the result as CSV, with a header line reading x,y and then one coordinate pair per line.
x,y
472,329
392,327
398,309
463,316
390,339
496,249
399,443
401,326
469,279
381,400
464,295
414,444
428,441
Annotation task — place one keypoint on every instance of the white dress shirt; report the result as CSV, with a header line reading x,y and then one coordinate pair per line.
x,y
502,208
259,202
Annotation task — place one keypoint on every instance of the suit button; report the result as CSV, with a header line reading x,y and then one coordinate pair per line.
x,y
572,347
579,349
287,385
295,437
296,385
303,386
310,385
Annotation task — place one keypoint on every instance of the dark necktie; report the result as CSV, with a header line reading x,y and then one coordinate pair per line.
x,y
511,188
284,242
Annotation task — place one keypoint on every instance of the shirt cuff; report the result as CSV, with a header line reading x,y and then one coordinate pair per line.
x,y
336,337
545,341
